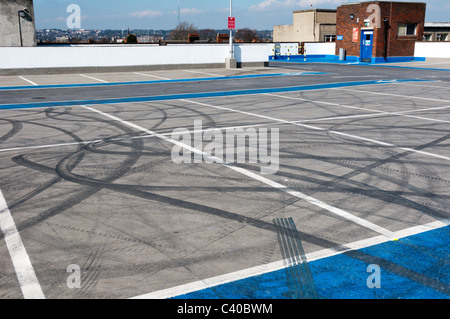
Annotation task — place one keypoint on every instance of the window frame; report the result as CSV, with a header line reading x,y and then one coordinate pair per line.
x,y
403,28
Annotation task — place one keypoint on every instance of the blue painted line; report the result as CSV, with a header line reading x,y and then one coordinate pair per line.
x,y
201,95
344,277
408,67
60,86
375,64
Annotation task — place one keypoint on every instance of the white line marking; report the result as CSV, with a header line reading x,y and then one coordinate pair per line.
x,y
45,146
92,78
402,113
278,265
29,81
390,94
130,97
357,76
213,74
26,276
12,149
311,200
326,130
423,63
426,86
151,75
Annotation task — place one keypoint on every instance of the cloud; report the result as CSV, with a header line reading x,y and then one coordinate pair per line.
x,y
191,11
154,14
146,14
271,4
267,5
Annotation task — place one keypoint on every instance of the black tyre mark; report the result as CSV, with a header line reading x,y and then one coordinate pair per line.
x,y
16,128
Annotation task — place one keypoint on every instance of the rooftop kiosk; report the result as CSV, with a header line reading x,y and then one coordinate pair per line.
x,y
379,31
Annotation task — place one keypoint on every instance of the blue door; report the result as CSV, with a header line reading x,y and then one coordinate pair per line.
x,y
366,45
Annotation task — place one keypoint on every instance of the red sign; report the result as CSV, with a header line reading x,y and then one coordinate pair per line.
x,y
355,34
231,23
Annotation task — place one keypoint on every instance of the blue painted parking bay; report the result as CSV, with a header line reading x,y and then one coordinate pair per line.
x,y
414,267
203,94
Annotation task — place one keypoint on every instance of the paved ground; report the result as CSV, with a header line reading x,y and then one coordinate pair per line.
x,y
88,181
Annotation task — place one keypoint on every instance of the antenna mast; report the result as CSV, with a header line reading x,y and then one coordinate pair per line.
x,y
179,13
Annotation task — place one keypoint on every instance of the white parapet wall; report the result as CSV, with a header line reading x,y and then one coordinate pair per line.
x,y
432,50
111,56
320,48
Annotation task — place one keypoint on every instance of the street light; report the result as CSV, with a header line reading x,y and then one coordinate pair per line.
x,y
24,14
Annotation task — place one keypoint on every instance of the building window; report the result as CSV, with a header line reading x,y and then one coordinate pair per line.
x,y
442,37
427,37
407,29
330,38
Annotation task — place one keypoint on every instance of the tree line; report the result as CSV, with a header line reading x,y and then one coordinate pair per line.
x,y
184,29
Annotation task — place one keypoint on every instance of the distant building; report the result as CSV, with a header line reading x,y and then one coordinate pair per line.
x,y
437,32
17,26
63,39
315,25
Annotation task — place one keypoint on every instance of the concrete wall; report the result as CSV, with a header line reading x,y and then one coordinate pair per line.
x,y
432,50
327,48
427,50
284,33
128,57
308,26
9,24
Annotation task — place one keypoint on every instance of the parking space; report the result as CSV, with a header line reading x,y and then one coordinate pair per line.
x,y
140,198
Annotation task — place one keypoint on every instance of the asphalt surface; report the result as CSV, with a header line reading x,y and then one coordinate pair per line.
x,y
88,177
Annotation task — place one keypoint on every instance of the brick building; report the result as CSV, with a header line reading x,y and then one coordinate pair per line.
x,y
379,31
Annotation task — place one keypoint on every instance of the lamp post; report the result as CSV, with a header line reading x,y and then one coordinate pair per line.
x,y
24,14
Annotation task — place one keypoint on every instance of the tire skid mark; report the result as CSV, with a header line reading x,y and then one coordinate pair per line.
x,y
16,128
368,169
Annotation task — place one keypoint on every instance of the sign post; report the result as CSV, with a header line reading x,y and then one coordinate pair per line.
x,y
231,27
231,62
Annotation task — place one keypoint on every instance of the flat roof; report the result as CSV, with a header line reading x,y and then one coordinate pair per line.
x,y
437,24
359,2
315,10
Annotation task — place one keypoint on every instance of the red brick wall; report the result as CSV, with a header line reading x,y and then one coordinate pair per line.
x,y
395,12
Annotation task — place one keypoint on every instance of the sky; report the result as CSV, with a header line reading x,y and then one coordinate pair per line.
x,y
213,14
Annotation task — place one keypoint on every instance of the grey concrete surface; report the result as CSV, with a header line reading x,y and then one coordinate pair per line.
x,y
91,190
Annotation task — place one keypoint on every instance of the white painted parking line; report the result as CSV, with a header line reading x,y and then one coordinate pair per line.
x,y
152,76
426,86
356,137
425,63
391,94
213,74
378,112
279,265
29,81
26,276
339,212
31,147
356,76
92,78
